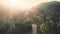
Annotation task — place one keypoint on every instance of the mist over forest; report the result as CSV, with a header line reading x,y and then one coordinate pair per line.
x,y
45,15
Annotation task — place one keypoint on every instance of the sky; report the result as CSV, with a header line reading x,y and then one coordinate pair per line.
x,y
23,4
11,5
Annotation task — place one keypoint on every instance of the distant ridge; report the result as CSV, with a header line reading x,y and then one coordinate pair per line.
x,y
48,4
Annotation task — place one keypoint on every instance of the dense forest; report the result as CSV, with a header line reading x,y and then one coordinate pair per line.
x,y
46,16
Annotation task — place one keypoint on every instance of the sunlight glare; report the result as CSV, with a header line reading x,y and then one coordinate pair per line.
x,y
22,4
18,4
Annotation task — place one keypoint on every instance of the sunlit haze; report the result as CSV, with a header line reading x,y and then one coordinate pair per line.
x,y
22,4
13,6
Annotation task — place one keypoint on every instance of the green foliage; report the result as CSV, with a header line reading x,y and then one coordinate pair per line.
x,y
50,12
47,19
